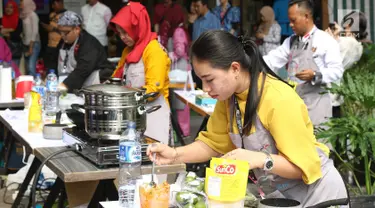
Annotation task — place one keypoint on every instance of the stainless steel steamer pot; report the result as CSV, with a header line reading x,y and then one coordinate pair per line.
x,y
108,108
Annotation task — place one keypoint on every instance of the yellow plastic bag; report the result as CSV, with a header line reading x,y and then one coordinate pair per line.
x,y
226,180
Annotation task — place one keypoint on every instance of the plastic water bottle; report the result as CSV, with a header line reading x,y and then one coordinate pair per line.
x,y
52,94
39,87
130,165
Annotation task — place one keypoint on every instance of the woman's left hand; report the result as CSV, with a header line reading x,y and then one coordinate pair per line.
x,y
255,159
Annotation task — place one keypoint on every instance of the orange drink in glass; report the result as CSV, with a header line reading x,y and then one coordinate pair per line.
x,y
154,197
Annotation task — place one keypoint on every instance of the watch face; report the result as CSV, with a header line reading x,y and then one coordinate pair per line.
x,y
269,165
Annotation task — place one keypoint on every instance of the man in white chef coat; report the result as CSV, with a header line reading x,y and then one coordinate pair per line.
x,y
312,58
96,17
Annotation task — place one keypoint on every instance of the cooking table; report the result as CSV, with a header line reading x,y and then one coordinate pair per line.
x,y
16,103
84,179
188,97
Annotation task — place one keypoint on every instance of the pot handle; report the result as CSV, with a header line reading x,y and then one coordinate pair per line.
x,y
79,93
153,109
78,108
140,96
142,109
150,95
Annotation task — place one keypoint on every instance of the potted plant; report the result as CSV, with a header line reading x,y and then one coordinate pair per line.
x,y
353,134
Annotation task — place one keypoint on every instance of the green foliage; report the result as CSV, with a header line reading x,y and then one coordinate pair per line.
x,y
354,132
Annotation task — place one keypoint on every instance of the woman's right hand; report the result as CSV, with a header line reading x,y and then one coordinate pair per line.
x,y
164,154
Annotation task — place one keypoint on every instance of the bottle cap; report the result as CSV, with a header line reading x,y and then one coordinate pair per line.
x,y
131,124
51,71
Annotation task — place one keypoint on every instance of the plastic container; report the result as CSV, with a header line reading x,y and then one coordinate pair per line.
x,y
24,84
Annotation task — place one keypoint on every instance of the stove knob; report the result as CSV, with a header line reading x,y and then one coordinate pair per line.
x,y
78,147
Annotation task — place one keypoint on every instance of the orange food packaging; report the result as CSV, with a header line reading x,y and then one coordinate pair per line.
x,y
154,197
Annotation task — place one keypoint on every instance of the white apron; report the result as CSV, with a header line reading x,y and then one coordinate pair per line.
x,y
158,122
67,63
301,58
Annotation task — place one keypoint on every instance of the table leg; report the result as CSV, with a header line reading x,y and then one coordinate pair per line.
x,y
62,198
203,125
105,189
8,147
177,128
33,168
56,189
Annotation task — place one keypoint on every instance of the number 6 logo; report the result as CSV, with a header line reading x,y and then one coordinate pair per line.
x,y
347,18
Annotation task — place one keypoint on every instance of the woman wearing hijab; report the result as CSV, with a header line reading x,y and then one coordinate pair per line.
x,y
269,31
11,31
31,38
144,64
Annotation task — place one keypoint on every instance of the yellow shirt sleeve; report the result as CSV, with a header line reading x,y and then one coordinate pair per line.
x,y
157,66
217,136
291,128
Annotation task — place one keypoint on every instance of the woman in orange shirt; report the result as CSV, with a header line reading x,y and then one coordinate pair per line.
x,y
144,64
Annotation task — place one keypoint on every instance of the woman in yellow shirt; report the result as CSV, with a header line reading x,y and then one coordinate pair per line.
x,y
260,119
144,64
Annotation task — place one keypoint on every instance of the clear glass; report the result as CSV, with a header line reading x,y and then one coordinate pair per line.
x,y
154,197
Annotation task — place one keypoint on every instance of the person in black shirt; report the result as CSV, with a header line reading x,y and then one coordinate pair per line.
x,y
51,52
82,59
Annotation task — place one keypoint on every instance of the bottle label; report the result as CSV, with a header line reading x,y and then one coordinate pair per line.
x,y
130,153
40,90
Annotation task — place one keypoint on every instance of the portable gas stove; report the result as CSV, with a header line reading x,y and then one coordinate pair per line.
x,y
99,151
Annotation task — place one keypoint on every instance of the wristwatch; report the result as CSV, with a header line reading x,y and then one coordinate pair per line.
x,y
268,163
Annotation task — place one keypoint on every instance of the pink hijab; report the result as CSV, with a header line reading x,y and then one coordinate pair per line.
x,y
29,7
6,55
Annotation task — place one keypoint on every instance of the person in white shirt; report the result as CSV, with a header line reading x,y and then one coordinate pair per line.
x,y
31,38
96,17
313,60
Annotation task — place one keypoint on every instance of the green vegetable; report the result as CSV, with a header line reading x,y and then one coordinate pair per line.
x,y
186,198
200,187
189,179
200,204
189,206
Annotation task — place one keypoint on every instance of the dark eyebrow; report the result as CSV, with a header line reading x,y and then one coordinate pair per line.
x,y
206,75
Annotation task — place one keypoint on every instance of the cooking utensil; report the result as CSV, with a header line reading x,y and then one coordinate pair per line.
x,y
108,108
278,202
54,131
76,117
152,183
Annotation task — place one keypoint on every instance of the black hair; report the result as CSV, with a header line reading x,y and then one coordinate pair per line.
x,y
204,2
220,49
306,4
358,19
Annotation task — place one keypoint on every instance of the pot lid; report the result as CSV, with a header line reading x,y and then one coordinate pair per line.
x,y
110,88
